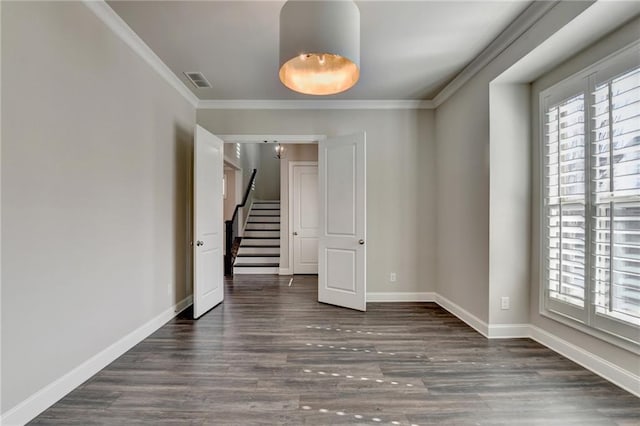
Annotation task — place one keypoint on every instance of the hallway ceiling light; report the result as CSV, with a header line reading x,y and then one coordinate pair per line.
x,y
319,46
279,151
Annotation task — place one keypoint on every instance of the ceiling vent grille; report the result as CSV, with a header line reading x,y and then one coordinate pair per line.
x,y
197,79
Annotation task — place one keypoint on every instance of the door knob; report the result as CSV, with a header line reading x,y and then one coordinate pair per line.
x,y
199,243
295,233
361,242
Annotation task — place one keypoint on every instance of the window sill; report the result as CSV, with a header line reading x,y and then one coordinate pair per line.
x,y
612,339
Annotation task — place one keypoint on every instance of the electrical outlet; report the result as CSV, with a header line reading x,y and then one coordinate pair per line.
x,y
392,277
504,303
170,289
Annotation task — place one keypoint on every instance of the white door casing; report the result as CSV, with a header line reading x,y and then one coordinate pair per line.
x,y
304,217
208,289
342,237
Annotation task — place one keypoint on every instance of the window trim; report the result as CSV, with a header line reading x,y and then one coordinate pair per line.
x,y
581,81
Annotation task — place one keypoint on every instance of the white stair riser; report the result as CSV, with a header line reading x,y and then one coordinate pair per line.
x,y
259,242
265,206
262,234
262,227
251,260
262,213
253,271
270,233
267,251
273,219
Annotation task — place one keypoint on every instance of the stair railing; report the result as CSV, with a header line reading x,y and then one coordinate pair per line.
x,y
232,227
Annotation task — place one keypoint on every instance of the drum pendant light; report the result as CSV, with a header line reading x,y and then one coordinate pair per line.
x,y
319,46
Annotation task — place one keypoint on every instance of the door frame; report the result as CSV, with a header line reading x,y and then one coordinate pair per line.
x,y
284,213
282,139
237,179
292,165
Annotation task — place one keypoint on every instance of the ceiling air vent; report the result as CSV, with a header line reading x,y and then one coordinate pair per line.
x,y
197,79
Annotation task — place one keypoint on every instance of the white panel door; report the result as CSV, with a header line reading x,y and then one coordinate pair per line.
x,y
341,243
305,219
208,289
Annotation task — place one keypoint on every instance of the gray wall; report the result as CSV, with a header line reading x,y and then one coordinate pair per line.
x,y
260,156
96,157
473,197
400,181
509,207
268,177
247,157
463,178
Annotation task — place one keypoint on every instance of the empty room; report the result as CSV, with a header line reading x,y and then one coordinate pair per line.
x,y
319,212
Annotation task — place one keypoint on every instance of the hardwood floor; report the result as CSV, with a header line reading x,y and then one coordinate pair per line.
x,y
272,355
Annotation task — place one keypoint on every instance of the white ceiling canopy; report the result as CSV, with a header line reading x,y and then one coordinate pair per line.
x,y
409,49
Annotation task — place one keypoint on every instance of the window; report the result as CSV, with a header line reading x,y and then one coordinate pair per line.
x,y
591,209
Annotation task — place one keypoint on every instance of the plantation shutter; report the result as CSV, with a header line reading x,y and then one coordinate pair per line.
x,y
616,200
565,160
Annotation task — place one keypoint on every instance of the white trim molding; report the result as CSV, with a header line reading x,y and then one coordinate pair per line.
x,y
600,366
285,271
532,14
297,139
592,362
53,392
516,29
291,165
120,28
463,315
508,331
251,104
490,331
401,297
182,305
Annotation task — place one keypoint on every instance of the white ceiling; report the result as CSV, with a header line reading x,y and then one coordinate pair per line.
x,y
409,49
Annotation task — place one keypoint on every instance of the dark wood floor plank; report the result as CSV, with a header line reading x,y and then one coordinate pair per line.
x,y
273,355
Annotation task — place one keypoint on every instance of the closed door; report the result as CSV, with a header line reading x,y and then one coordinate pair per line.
x,y
208,290
342,258
305,219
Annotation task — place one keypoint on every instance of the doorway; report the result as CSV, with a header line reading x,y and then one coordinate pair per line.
x,y
340,176
303,214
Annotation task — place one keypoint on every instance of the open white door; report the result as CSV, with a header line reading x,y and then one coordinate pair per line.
x,y
208,289
342,234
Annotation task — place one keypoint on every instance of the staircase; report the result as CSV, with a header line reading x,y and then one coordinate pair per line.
x,y
259,251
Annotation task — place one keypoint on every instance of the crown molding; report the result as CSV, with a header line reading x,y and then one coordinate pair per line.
x,y
120,28
314,104
298,139
517,28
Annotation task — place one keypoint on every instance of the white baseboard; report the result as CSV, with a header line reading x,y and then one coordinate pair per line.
x,y
600,366
508,331
400,297
183,304
28,409
464,315
285,271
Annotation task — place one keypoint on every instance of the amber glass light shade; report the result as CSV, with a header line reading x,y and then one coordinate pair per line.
x,y
319,74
